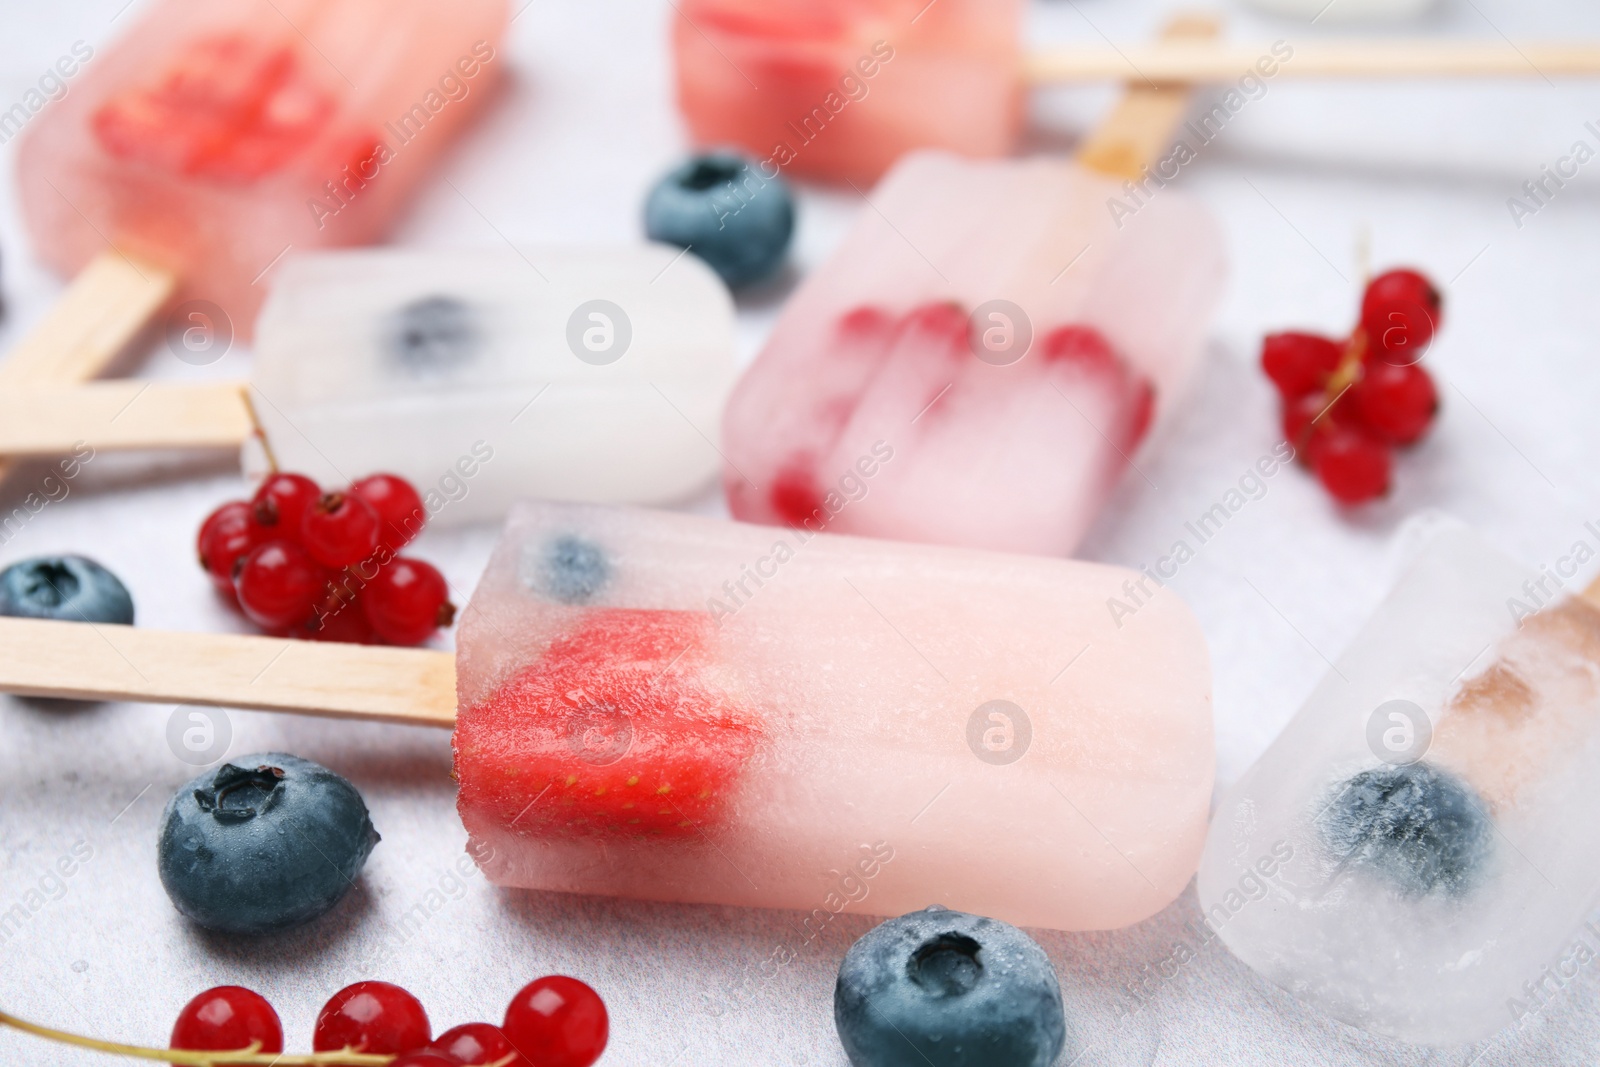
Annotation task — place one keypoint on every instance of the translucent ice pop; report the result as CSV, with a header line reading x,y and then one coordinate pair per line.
x,y
487,374
669,707
218,134
1416,848
841,89
997,335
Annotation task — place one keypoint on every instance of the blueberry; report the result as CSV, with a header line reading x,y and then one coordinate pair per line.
x,y
720,206
69,588
263,843
1420,828
434,334
947,989
569,569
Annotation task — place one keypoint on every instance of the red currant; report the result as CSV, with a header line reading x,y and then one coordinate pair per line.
x,y
282,502
398,506
1400,312
1304,421
1352,466
278,585
407,602
340,529
228,533
558,1022
343,622
1299,363
428,1057
474,1044
1396,403
226,1019
371,1017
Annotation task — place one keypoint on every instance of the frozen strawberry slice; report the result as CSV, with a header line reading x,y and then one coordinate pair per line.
x,y
229,108
611,733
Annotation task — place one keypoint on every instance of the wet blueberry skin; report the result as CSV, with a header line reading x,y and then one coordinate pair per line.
x,y
68,588
940,988
263,843
725,209
1418,827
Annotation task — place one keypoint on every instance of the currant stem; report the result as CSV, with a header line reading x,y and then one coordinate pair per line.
x,y
245,1057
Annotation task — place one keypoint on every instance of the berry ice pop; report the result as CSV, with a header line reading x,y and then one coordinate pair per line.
x,y
1415,850
217,135
669,707
841,89
575,373
1006,339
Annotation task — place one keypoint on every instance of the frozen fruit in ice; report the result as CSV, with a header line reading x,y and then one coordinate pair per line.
x,y
940,988
568,569
629,742
68,588
723,209
263,843
376,1017
1418,827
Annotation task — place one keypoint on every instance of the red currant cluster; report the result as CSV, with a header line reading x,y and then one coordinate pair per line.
x,y
326,566
552,1022
1348,404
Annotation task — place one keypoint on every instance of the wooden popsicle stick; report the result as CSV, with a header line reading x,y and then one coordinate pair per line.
x,y
123,414
90,661
1213,63
1139,129
102,311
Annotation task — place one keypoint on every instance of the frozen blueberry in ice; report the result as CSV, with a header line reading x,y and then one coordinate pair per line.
x,y
263,843
1420,828
940,988
570,569
69,588
434,334
721,207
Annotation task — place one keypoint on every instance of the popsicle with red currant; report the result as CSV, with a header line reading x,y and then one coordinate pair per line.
x,y
668,707
1349,404
215,136
982,357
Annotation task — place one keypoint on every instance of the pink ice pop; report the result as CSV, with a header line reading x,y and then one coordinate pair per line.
x,y
673,708
221,133
843,88
979,361
668,707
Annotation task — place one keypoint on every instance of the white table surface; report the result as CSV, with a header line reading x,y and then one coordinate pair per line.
x,y
566,155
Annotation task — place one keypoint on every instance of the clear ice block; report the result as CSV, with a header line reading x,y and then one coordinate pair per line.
x,y
488,375
843,88
219,133
998,329
667,707
1418,846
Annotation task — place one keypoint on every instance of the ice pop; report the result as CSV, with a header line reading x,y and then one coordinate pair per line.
x,y
219,134
991,331
841,89
1416,849
574,373
668,707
